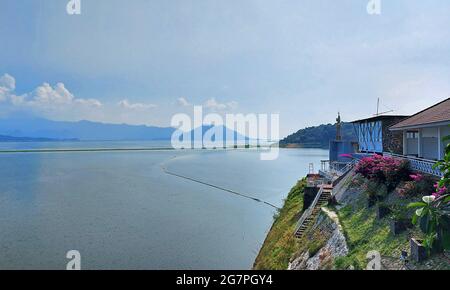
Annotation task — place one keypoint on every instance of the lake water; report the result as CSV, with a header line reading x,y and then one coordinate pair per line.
x,y
120,210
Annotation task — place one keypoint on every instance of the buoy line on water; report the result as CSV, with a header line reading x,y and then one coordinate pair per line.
x,y
165,170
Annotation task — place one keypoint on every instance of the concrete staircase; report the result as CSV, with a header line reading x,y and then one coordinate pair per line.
x,y
322,198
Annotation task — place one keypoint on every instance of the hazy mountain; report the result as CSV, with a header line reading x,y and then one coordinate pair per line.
x,y
82,130
33,127
30,139
318,136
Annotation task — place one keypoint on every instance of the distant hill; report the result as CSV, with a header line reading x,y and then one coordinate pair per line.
x,y
82,130
31,128
4,138
318,137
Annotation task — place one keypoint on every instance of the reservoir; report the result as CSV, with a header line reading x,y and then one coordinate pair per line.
x,y
121,210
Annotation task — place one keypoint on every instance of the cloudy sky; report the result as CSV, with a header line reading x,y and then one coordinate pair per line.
x,y
141,61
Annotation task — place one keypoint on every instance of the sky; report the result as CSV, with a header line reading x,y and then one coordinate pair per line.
x,y
142,61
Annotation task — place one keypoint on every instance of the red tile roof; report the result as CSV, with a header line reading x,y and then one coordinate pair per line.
x,y
436,114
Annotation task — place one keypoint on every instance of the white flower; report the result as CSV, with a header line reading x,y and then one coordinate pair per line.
x,y
428,199
419,211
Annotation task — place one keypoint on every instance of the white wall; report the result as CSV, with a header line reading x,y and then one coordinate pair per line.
x,y
445,131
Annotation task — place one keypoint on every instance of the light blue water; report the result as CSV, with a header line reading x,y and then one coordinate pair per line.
x,y
121,211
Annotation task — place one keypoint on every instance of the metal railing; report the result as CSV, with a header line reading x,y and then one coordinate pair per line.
x,y
335,168
343,170
419,164
310,209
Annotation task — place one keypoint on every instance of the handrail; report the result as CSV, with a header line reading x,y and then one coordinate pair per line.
x,y
419,164
340,184
342,171
308,212
410,157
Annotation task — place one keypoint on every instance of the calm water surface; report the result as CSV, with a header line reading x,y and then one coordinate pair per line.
x,y
121,211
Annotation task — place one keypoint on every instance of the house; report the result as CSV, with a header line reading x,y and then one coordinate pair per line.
x,y
374,135
422,133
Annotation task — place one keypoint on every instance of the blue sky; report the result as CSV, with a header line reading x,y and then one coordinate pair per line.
x,y
142,61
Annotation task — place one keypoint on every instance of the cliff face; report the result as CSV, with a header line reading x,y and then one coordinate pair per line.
x,y
340,237
333,244
318,248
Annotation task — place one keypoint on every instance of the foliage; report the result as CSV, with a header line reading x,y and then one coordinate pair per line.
x,y
375,191
444,167
358,181
399,213
433,216
280,243
319,136
384,170
365,233
433,212
315,246
420,185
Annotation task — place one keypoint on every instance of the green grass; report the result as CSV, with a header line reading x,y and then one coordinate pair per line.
x,y
365,233
362,230
280,244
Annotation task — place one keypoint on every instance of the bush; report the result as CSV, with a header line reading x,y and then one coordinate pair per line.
x,y
399,213
384,170
419,186
407,189
357,181
375,191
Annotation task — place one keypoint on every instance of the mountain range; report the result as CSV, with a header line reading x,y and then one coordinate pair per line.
x,y
39,129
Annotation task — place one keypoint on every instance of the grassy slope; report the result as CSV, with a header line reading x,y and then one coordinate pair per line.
x,y
280,243
365,233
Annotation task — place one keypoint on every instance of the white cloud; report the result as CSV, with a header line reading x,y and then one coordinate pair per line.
x,y
46,100
7,82
45,94
214,105
89,102
135,106
57,96
183,102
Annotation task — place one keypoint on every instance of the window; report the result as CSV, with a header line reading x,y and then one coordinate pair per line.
x,y
412,135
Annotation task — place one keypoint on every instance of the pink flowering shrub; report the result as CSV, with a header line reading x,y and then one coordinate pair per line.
x,y
407,189
440,190
420,185
416,177
384,170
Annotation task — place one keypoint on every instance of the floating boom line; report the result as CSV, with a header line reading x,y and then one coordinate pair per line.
x,y
165,170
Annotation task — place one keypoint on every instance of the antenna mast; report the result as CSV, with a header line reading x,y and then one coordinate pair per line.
x,y
378,109
378,106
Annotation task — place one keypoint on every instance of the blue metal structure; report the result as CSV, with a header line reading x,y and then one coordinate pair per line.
x,y
374,136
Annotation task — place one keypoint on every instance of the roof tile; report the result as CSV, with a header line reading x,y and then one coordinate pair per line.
x,y
434,114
